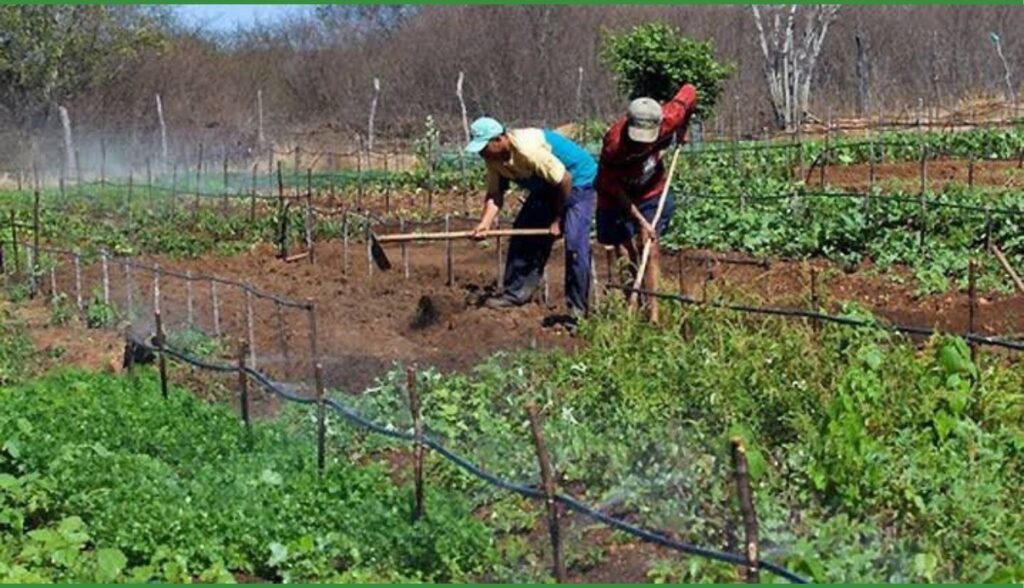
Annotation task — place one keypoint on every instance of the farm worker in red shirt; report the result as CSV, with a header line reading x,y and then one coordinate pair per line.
x,y
631,177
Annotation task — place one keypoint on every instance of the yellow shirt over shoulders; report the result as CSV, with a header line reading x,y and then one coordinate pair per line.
x,y
531,156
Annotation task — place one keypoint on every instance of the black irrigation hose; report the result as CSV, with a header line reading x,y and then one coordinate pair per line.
x,y
367,423
843,320
465,464
196,362
276,388
568,501
930,202
659,539
812,145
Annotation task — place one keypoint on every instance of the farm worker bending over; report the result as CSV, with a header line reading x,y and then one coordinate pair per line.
x,y
632,177
559,176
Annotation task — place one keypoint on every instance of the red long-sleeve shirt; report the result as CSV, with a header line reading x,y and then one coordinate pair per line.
x,y
635,169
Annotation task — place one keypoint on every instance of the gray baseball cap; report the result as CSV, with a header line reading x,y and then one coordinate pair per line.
x,y
644,120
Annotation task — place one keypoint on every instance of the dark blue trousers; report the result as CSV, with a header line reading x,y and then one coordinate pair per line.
x,y
527,256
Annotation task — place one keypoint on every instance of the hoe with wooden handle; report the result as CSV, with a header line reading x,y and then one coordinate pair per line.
x,y
642,269
381,258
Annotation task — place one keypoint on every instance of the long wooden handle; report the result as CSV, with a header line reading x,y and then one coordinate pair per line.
x,y
642,269
400,237
1009,268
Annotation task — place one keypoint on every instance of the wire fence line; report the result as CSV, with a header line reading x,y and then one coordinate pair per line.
x,y
107,290
242,167
971,337
525,490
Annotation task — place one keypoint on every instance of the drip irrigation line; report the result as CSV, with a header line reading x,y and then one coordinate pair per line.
x,y
465,464
843,320
277,389
196,362
689,548
367,423
901,198
817,145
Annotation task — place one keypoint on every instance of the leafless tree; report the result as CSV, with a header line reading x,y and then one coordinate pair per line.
x,y
791,53
998,42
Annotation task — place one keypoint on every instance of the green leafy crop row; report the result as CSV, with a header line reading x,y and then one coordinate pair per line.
x,y
101,479
872,462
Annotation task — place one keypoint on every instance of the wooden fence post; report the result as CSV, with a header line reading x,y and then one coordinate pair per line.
x,y
14,243
78,281
129,296
314,343
243,387
282,236
36,228
105,265
160,343
815,302
282,335
216,307
30,264
252,195
417,423
321,415
369,250
746,500
199,176
448,261
972,306
310,219
156,289
548,480
295,172
78,171
827,153
249,339
405,249
189,305
344,243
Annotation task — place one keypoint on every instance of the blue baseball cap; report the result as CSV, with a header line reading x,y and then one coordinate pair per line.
x,y
481,131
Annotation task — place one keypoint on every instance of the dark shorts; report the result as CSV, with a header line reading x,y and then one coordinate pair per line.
x,y
615,227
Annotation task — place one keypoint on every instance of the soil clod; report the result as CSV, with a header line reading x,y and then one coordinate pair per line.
x,y
426,315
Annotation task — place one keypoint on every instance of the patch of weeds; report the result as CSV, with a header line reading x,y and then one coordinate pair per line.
x,y
99,314
17,292
61,310
195,342
15,353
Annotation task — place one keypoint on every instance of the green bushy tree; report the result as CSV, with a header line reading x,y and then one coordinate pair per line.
x,y
654,60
